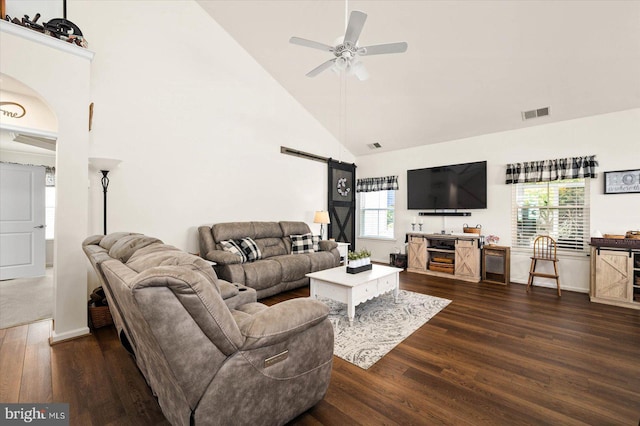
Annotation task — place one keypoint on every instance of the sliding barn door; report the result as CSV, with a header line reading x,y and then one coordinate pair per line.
x,y
342,202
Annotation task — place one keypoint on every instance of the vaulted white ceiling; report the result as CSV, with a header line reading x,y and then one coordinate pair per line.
x,y
471,68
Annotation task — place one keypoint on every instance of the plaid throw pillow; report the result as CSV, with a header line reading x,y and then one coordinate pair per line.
x,y
302,244
316,242
250,249
233,247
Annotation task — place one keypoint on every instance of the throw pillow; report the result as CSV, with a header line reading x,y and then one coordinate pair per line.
x,y
250,249
316,242
302,243
233,247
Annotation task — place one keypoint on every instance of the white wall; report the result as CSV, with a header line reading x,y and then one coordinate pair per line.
x,y
69,101
48,9
197,123
613,138
27,157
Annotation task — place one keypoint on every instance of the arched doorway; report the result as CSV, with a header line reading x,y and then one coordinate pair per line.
x,y
28,133
69,99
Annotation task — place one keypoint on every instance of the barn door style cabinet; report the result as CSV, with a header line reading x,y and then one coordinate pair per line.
x,y
450,256
615,276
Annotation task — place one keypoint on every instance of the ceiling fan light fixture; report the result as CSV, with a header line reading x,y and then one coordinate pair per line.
x,y
342,63
346,49
360,71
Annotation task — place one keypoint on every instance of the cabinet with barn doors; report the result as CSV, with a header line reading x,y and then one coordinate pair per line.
x,y
615,276
450,256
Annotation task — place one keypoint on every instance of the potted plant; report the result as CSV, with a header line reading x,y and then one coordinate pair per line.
x,y
359,258
365,255
354,259
492,239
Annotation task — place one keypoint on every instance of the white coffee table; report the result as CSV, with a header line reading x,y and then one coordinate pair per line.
x,y
353,289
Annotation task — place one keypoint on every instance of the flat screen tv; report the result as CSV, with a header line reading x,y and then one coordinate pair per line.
x,y
459,186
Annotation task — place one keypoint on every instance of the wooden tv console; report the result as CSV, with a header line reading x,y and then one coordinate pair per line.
x,y
444,255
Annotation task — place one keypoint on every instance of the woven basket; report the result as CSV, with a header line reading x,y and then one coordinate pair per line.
x,y
100,316
634,235
442,260
471,229
447,269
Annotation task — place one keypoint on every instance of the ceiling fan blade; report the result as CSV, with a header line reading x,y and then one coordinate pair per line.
x,y
317,70
380,49
354,28
309,43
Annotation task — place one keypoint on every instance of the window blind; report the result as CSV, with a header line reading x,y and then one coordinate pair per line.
x,y
377,213
558,208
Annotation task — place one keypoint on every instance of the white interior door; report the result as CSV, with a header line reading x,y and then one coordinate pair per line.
x,y
22,221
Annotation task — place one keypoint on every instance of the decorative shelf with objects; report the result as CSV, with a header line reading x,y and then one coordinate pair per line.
x,y
615,271
444,255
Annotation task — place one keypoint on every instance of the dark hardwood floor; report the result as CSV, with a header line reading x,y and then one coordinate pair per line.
x,y
495,355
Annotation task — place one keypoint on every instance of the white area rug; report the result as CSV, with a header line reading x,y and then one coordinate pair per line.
x,y
26,300
380,324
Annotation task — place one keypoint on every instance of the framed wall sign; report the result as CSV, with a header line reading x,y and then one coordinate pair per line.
x,y
622,181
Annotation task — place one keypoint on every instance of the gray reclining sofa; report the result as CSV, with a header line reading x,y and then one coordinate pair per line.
x,y
279,268
210,353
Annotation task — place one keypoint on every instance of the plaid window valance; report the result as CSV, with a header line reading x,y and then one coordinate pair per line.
x,y
377,184
550,170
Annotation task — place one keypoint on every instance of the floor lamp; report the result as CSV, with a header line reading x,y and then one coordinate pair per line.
x,y
105,165
321,217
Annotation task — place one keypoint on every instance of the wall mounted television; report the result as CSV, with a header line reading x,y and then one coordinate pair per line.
x,y
458,186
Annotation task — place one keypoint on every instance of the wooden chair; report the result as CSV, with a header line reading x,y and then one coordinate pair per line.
x,y
544,248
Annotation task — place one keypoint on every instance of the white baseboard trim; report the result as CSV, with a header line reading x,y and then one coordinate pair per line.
x,y
562,287
60,337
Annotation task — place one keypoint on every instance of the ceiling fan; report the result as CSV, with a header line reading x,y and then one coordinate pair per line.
x,y
347,51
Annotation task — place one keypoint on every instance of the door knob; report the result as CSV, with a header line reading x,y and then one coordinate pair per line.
x,y
39,226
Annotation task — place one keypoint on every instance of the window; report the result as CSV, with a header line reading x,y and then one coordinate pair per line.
x,y
558,208
49,211
377,212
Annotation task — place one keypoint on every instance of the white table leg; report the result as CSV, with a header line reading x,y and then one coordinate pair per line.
x,y
313,289
351,308
396,289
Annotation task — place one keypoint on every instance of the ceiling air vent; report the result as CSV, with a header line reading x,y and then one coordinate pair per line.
x,y
540,112
374,145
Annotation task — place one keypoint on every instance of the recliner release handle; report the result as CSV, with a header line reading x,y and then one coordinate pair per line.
x,y
276,358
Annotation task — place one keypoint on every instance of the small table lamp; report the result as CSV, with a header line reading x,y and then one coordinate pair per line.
x,y
321,217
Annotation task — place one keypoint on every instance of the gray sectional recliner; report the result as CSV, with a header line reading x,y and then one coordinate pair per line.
x,y
279,269
210,352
